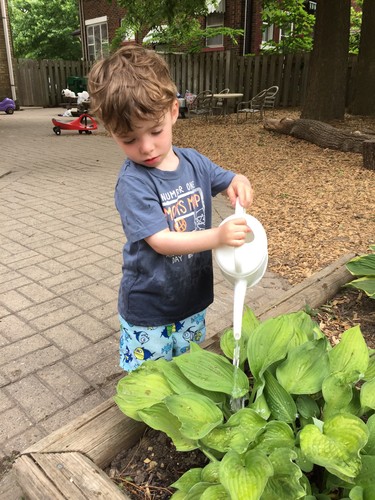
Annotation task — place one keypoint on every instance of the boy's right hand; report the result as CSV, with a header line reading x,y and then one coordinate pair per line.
x,y
233,233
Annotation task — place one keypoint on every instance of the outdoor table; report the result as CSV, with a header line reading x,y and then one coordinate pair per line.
x,y
226,98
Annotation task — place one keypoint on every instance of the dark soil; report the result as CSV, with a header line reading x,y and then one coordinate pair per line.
x,y
147,470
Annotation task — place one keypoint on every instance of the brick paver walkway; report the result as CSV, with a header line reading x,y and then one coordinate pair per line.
x,y
60,265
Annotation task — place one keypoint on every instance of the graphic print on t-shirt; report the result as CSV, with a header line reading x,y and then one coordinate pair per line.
x,y
185,210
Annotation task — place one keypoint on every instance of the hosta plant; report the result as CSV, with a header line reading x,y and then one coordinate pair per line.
x,y
363,266
305,427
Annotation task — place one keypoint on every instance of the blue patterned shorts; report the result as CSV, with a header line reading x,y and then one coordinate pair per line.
x,y
140,343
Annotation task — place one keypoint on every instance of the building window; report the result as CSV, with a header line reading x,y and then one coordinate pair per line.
x,y
97,38
215,20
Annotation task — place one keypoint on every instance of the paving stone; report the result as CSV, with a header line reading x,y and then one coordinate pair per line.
x,y
93,354
5,402
14,328
106,370
32,362
35,273
66,339
21,348
46,307
55,318
90,327
64,381
35,398
14,301
74,410
36,293
71,285
13,422
102,292
18,443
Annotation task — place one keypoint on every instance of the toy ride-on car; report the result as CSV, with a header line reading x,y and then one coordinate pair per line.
x,y
7,105
84,123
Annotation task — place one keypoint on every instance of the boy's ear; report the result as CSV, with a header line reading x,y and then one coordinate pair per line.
x,y
175,111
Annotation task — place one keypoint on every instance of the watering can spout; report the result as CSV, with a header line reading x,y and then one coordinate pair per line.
x,y
239,300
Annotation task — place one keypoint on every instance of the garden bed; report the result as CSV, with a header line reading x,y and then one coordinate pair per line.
x,y
69,463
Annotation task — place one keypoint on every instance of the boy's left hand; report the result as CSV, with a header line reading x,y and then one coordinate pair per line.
x,y
240,187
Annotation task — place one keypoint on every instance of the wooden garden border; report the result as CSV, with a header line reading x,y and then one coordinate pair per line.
x,y
68,463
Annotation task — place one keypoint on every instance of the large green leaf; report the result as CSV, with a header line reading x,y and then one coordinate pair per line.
x,y
366,476
337,393
245,477
363,265
268,343
141,389
275,435
370,446
368,394
215,492
159,417
188,479
337,447
370,372
228,344
236,434
351,354
304,328
198,414
280,402
366,284
180,384
212,372
285,483
305,368
307,407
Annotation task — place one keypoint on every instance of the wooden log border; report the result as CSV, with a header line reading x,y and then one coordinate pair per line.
x,y
69,462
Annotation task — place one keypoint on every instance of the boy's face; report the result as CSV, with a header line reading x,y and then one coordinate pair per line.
x,y
150,143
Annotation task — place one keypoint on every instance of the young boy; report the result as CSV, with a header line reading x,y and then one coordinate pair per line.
x,y
164,197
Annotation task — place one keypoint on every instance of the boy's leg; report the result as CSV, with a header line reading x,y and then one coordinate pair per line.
x,y
140,343
191,329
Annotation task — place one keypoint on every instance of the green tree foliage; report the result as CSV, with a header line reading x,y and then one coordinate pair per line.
x,y
145,15
296,23
173,24
42,29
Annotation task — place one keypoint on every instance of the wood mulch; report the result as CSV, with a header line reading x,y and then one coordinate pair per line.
x,y
315,204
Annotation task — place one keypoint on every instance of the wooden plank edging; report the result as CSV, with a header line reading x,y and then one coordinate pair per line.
x,y
94,439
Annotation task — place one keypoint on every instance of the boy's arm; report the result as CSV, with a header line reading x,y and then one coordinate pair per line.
x,y
168,242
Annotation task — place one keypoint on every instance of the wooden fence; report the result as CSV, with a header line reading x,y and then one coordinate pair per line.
x,y
39,83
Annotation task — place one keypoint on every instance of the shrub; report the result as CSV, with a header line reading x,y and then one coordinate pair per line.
x,y
305,427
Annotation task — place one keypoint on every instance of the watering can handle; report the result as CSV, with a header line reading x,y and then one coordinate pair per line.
x,y
240,212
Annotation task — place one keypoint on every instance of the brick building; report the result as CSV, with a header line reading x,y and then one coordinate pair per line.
x,y
99,20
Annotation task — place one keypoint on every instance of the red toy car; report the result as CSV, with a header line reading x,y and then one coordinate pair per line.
x,y
84,123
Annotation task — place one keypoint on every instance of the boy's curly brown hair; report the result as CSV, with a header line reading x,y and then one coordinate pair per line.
x,y
132,83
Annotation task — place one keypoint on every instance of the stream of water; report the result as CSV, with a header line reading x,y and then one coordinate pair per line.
x,y
236,403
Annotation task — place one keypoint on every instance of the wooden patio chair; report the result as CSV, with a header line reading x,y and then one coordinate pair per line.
x,y
252,107
201,105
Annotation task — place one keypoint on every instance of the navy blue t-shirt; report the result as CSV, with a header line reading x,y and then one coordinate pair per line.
x,y
156,289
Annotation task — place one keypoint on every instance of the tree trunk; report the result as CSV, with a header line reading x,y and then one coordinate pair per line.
x,y
319,133
363,102
325,95
369,154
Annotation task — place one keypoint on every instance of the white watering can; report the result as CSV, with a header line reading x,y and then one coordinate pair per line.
x,y
243,266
